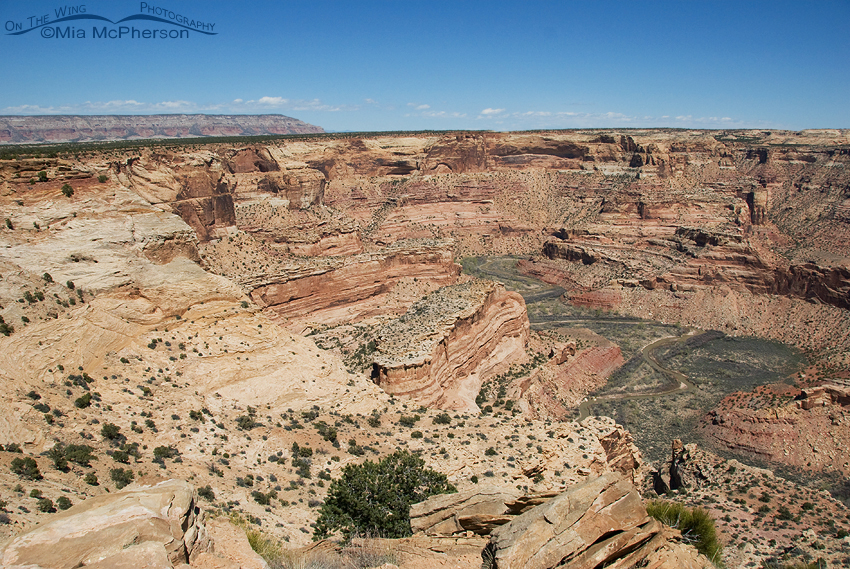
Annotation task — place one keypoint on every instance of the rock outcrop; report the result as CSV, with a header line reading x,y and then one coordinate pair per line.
x,y
445,346
158,527
75,128
479,510
804,428
558,387
601,523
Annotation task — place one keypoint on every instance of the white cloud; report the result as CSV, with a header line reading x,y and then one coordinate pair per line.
x,y
423,107
488,112
272,101
132,106
442,114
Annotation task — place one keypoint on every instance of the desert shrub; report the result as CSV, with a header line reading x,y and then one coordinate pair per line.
x,y
63,502
408,420
121,456
102,178
122,477
57,456
90,479
25,468
245,422
67,190
264,499
206,492
111,432
443,419
83,401
416,435
46,505
42,176
374,498
80,454
696,525
374,421
326,431
160,453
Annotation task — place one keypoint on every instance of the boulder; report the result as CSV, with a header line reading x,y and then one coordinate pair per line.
x,y
157,526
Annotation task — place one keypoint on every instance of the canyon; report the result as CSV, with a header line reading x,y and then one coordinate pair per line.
x,y
232,294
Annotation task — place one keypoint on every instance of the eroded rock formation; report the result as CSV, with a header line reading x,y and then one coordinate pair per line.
x,y
805,428
442,349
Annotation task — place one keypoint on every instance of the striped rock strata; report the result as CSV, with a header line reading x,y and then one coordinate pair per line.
x,y
442,349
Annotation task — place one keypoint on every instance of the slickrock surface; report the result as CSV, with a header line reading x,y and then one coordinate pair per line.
x,y
445,346
67,128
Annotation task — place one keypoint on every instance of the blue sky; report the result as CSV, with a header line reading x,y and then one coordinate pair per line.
x,y
411,65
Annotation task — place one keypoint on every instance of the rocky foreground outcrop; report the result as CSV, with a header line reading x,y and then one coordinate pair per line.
x,y
599,523
154,527
445,346
77,128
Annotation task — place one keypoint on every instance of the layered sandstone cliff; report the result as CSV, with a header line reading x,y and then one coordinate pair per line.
x,y
801,428
445,346
338,289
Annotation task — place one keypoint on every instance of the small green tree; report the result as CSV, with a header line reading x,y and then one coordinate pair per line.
x,y
102,178
42,176
67,190
375,498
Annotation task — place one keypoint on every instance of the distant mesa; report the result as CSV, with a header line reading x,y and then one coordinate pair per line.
x,y
88,128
